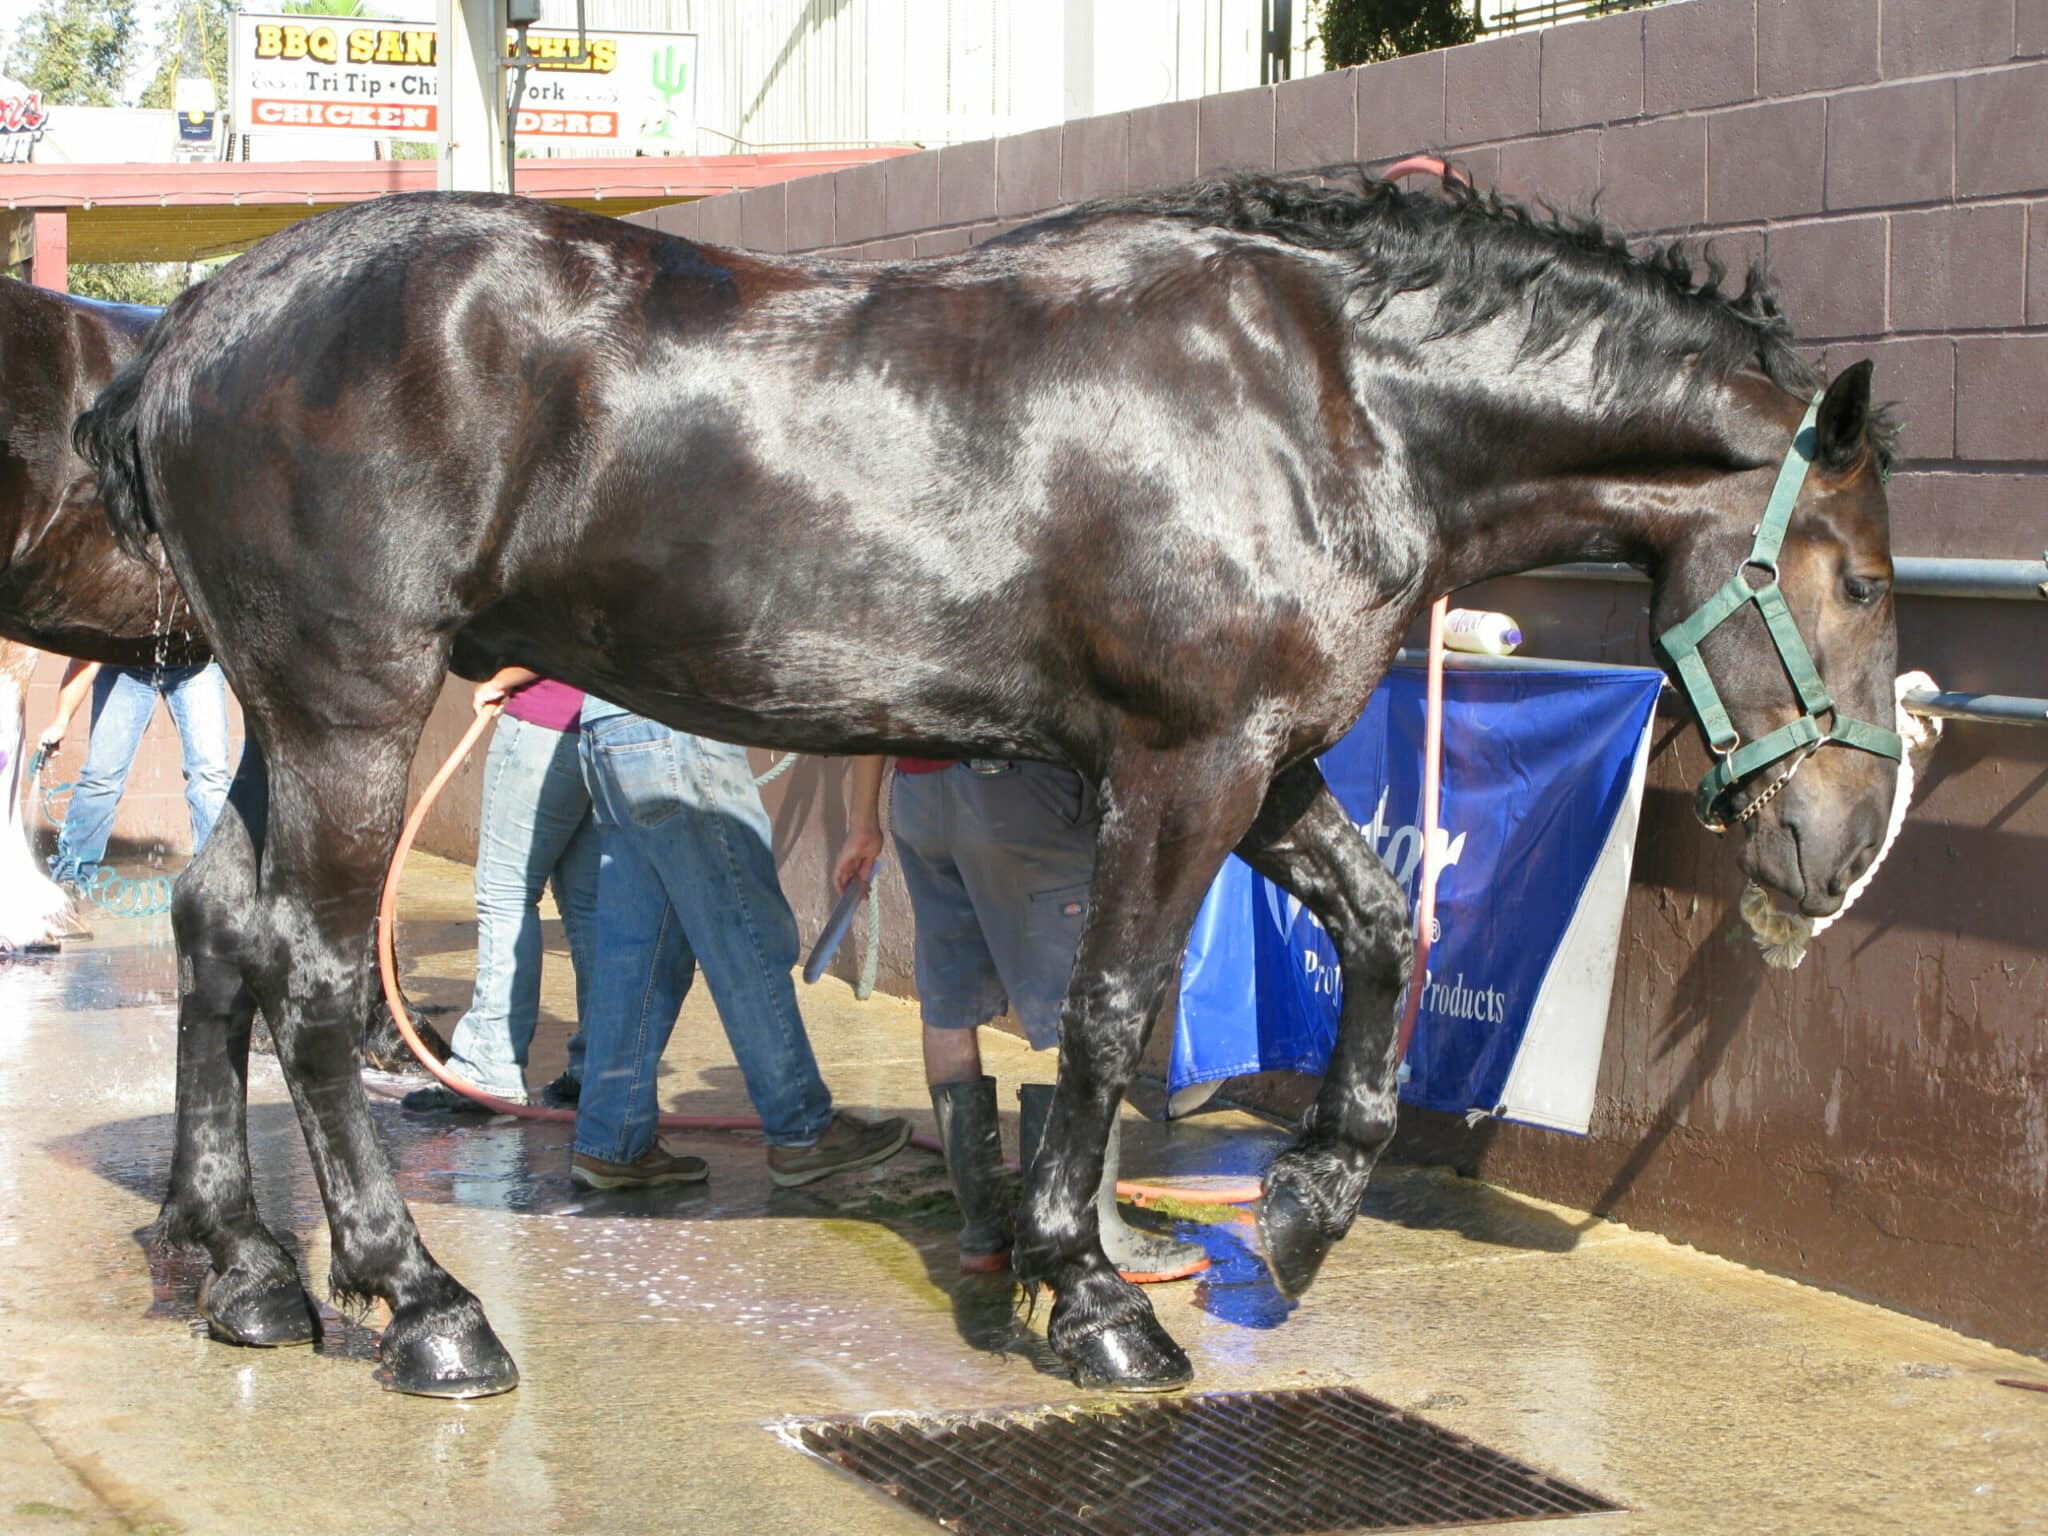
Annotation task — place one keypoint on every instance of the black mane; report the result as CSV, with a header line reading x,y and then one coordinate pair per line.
x,y
1480,253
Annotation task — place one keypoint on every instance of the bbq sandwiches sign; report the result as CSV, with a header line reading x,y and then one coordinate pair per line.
x,y
360,78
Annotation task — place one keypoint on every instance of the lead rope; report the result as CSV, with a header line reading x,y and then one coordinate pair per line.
x,y
1784,936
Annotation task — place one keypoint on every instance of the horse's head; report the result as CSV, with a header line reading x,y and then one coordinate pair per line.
x,y
1774,617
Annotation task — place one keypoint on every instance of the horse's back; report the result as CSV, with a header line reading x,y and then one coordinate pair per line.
x,y
902,495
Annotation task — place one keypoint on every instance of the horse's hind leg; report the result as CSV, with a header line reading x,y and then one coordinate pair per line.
x,y
253,1295
1305,843
1166,826
337,797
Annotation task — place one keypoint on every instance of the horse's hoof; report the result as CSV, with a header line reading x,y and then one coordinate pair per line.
x,y
273,1316
433,1355
1137,1356
1291,1237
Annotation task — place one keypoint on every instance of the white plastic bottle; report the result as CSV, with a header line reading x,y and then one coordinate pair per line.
x,y
1481,633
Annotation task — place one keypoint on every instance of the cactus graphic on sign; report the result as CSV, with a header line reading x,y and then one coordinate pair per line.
x,y
671,78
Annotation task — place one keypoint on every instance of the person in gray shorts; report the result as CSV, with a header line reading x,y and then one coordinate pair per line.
x,y
998,857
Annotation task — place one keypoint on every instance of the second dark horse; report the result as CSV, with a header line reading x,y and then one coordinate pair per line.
x,y
1151,487
65,585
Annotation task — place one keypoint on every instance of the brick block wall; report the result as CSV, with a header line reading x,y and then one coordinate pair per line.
x,y
1889,158
1861,1122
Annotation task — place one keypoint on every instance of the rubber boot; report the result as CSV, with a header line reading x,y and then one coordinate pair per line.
x,y
1143,1258
974,1162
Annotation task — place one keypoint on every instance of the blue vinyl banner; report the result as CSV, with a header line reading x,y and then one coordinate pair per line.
x,y
1542,779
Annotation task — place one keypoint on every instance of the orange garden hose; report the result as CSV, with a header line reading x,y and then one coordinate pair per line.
x,y
387,969
1433,727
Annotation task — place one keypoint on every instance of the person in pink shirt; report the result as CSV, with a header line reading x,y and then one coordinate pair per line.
x,y
535,830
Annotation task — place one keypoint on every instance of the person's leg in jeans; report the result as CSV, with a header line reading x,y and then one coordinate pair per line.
x,y
198,701
717,865
640,975
644,972
534,805
687,813
122,703
574,881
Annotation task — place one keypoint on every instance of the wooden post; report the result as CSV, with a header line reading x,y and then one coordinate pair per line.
x,y
50,264
17,242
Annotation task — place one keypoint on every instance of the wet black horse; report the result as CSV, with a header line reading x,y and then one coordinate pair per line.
x,y
65,584
1150,487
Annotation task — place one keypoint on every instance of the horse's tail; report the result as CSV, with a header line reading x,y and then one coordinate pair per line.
x,y
107,436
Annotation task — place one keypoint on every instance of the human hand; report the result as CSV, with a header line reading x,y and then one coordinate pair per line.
x,y
490,696
857,857
53,734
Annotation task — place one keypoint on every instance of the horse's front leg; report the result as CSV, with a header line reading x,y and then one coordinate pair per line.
x,y
1167,822
336,802
253,1294
1305,843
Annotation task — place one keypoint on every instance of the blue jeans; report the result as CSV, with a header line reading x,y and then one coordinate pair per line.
x,y
536,829
123,699
686,876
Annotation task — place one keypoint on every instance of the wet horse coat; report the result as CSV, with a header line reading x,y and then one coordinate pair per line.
x,y
65,584
1151,488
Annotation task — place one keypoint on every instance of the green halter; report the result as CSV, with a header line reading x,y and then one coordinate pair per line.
x,y
1803,736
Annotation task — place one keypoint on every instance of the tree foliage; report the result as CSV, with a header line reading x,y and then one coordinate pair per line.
x,y
195,40
128,282
75,51
1366,31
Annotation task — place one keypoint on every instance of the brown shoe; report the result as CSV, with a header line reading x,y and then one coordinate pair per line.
x,y
657,1165
849,1142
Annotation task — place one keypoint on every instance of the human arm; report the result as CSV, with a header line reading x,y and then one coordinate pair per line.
x,y
863,843
78,680
494,690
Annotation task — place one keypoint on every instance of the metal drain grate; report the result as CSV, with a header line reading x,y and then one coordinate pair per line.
x,y
1221,1464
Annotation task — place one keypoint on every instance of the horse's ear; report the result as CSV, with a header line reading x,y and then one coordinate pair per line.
x,y
1844,414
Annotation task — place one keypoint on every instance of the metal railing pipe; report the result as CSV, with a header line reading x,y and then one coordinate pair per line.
x,y
1986,708
1912,576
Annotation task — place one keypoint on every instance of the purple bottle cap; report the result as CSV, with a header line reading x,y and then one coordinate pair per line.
x,y
1511,637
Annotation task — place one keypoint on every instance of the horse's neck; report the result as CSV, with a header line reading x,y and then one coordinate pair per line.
x,y
1578,494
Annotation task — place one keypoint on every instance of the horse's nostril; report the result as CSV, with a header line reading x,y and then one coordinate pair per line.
x,y
1853,870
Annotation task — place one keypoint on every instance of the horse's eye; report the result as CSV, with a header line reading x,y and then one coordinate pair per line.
x,y
1864,590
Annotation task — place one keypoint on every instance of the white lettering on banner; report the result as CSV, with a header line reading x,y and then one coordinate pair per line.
x,y
569,125
1401,852
1400,855
1483,1005
265,112
295,74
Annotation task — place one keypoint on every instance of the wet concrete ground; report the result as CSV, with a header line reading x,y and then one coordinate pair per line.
x,y
662,1335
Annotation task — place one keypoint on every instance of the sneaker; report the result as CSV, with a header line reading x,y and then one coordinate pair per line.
x,y
657,1165
71,926
849,1142
440,1099
565,1092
